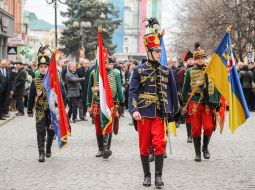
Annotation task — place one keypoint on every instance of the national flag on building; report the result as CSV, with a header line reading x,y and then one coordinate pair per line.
x,y
59,120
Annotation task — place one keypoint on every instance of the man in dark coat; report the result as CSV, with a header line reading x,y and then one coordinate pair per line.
x,y
246,79
252,97
73,90
5,89
10,82
188,58
83,71
19,88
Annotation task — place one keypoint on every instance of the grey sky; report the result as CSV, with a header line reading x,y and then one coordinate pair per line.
x,y
44,11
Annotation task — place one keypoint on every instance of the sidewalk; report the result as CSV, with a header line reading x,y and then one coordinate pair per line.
x,y
12,116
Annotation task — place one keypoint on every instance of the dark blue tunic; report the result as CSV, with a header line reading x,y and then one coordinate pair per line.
x,y
150,88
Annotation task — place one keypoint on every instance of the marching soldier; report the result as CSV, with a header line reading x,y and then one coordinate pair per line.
x,y
152,100
204,100
93,103
189,60
38,99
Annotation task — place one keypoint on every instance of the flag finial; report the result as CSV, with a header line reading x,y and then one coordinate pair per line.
x,y
229,29
163,32
56,50
100,28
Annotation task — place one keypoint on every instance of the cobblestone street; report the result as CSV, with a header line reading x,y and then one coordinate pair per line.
x,y
231,165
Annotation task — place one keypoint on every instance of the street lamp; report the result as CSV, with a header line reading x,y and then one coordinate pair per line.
x,y
83,25
55,7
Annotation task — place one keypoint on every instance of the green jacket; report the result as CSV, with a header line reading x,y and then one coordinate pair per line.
x,y
205,94
115,85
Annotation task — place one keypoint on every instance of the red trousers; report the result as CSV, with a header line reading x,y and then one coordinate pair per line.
x,y
201,116
96,115
187,119
151,133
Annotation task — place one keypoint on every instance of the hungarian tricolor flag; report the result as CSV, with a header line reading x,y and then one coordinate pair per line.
x,y
58,114
106,100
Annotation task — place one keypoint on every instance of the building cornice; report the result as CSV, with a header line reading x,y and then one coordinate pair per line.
x,y
2,11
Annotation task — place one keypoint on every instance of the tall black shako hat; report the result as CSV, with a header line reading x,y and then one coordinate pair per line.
x,y
43,58
188,54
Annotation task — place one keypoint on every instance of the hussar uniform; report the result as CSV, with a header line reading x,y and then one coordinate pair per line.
x,y
152,93
104,141
38,103
201,109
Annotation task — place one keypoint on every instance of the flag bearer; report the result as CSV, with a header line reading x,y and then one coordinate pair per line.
x,y
203,104
93,103
38,100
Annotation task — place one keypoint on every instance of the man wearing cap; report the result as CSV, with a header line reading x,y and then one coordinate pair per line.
x,y
189,60
104,141
19,88
152,101
203,104
38,99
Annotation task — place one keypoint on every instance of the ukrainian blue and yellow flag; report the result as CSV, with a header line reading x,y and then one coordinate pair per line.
x,y
222,71
163,61
163,58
